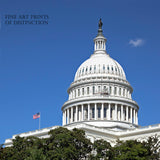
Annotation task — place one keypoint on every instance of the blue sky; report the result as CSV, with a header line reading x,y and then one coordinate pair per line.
x,y
38,62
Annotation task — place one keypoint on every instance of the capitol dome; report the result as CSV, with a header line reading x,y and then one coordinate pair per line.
x,y
100,94
100,65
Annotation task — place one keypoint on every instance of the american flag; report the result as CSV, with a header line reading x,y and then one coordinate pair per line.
x,y
37,115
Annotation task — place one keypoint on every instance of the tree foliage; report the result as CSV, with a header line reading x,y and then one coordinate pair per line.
x,y
64,144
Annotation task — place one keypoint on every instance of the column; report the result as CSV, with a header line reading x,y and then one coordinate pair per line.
x,y
63,119
115,112
134,115
122,117
76,117
127,113
102,111
128,94
119,113
79,112
131,115
71,114
68,116
109,112
117,91
82,111
137,117
88,111
95,116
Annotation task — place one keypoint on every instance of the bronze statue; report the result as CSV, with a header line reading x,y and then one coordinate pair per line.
x,y
100,23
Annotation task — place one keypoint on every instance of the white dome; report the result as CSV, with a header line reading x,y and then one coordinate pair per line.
x,y
100,94
100,65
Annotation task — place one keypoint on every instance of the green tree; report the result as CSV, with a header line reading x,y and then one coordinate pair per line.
x,y
101,149
66,144
130,150
153,146
36,154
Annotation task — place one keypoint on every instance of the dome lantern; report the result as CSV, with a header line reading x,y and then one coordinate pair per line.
x,y
100,40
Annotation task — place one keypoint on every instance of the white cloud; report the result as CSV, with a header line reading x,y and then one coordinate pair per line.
x,y
136,43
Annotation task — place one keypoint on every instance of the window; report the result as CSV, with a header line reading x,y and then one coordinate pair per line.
x,y
108,68
123,92
86,69
87,90
115,90
82,70
78,92
75,93
99,88
94,69
90,69
103,68
93,89
112,68
79,72
120,91
82,91
110,88
99,112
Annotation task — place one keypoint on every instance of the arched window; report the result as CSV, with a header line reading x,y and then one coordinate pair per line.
x,y
78,92
120,91
112,69
95,69
115,90
90,69
93,89
123,92
103,68
82,91
110,90
87,90
82,70
108,68
86,69
99,88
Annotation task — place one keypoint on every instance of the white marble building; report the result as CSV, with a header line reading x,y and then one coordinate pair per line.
x,y
100,101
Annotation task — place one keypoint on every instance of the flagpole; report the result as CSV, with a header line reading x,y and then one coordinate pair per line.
x,y
39,121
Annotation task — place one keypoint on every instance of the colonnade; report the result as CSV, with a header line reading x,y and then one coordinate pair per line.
x,y
88,90
100,111
100,45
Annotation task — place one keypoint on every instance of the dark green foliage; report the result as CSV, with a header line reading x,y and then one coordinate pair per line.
x,y
131,150
102,149
64,144
153,146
